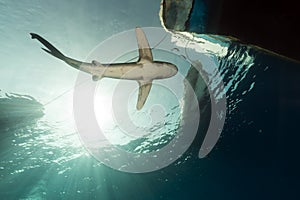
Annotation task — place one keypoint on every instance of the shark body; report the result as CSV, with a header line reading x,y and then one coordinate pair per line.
x,y
144,71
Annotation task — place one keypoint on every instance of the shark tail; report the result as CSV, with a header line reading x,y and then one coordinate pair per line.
x,y
55,52
51,49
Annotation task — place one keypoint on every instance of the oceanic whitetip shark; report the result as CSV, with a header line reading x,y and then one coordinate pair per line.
x,y
144,71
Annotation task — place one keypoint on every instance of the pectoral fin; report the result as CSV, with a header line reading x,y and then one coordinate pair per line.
x,y
144,89
145,53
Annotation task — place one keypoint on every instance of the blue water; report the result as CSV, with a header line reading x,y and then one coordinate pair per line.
x,y
42,156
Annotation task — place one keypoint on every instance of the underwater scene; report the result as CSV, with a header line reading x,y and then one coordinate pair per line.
x,y
128,99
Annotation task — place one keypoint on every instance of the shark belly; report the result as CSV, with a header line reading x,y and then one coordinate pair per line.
x,y
131,71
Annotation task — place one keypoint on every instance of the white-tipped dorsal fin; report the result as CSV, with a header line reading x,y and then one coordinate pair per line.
x,y
144,90
145,53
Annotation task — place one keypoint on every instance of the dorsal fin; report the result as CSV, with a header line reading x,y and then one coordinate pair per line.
x,y
145,53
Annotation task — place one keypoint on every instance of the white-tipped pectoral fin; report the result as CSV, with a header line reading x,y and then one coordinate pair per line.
x,y
144,90
145,53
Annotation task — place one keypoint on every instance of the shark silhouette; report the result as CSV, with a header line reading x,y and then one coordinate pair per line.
x,y
144,71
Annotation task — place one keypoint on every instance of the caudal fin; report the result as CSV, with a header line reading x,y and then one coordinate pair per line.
x,y
51,49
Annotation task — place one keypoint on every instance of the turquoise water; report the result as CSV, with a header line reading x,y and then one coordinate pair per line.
x,y
42,155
